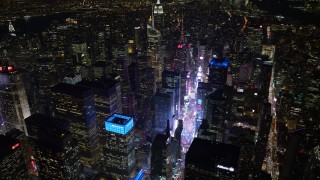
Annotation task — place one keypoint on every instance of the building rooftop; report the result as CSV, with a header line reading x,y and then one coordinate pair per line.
x,y
104,84
119,123
211,155
7,144
70,89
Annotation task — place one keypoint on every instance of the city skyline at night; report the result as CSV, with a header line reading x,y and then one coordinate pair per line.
x,y
160,89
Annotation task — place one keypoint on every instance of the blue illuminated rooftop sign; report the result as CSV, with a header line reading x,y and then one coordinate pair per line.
x,y
220,63
118,123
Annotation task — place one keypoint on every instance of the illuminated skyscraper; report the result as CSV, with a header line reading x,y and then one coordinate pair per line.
x,y
119,157
14,105
76,104
12,162
207,159
156,52
172,80
46,76
56,152
158,16
106,102
218,68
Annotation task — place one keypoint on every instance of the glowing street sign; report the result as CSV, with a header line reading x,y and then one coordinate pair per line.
x,y
231,169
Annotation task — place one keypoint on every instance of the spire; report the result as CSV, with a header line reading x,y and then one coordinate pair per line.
x,y
182,30
152,19
11,28
158,1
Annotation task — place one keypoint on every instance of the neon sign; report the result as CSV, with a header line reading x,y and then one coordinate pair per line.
x,y
231,169
10,68
15,146
180,46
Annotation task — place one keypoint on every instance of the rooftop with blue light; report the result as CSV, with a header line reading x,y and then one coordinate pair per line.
x,y
119,123
221,62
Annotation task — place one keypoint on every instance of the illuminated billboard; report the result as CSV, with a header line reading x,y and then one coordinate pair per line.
x,y
118,123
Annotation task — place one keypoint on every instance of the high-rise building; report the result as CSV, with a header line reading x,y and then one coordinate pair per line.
x,y
163,110
119,156
218,68
160,161
147,79
207,159
312,170
12,162
14,104
56,152
76,104
156,52
202,90
216,107
172,80
28,153
46,76
158,16
106,101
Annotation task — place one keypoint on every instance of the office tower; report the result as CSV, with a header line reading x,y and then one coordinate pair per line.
x,y
119,156
101,70
185,86
97,46
106,101
172,80
245,73
218,68
76,104
158,16
12,162
163,111
312,170
161,167
14,105
147,79
216,107
134,77
156,52
28,153
253,39
122,64
80,51
55,150
46,76
202,90
207,159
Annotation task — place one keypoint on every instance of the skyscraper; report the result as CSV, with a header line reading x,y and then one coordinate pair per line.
x,y
119,157
160,161
14,105
172,80
158,16
56,152
163,110
207,159
12,162
218,68
76,104
106,102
